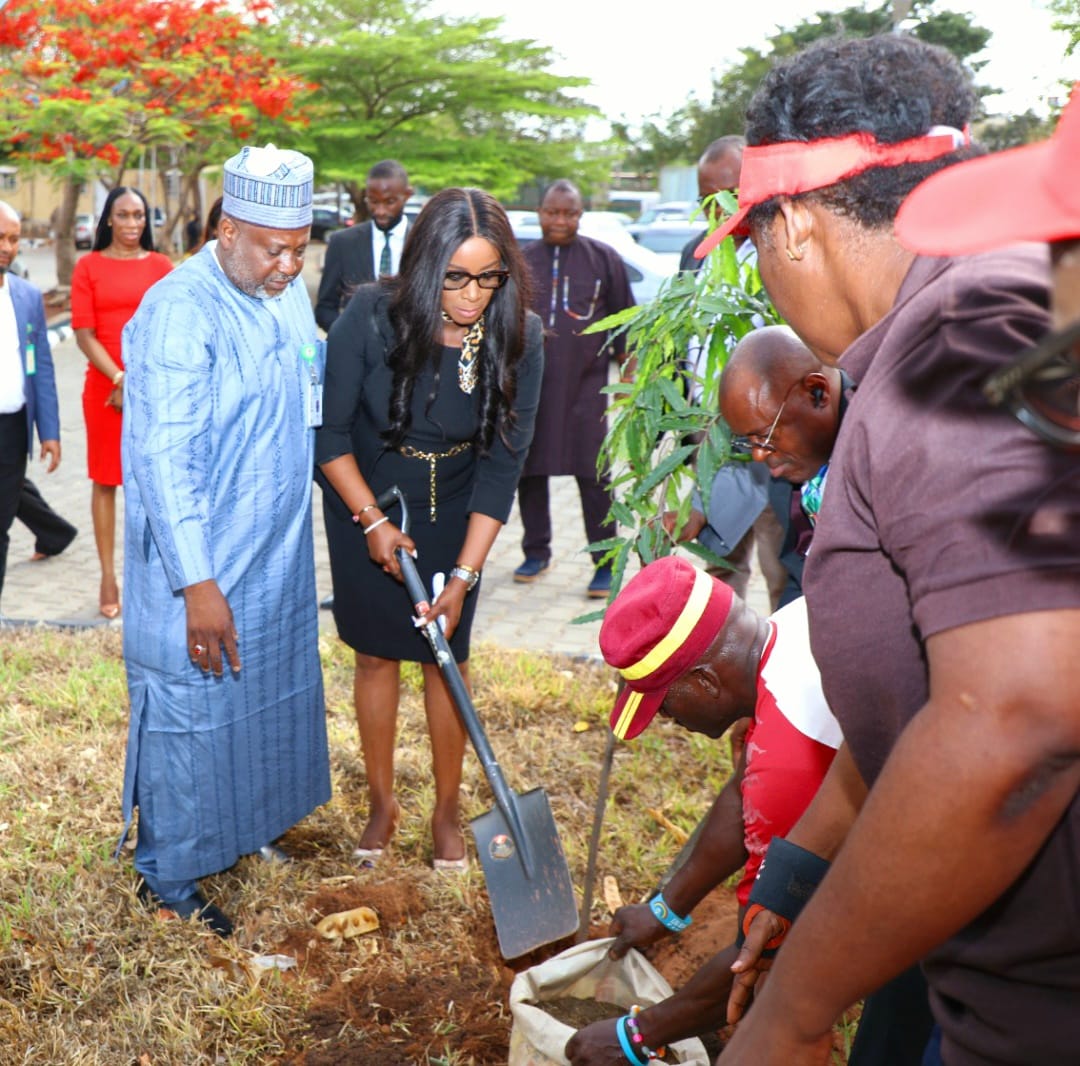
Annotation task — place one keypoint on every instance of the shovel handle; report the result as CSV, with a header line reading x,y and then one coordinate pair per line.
x,y
444,659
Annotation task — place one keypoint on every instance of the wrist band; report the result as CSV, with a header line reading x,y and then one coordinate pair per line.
x,y
375,525
786,881
666,916
117,378
637,1041
369,507
624,1042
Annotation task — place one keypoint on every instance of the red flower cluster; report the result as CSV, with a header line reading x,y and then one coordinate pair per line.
x,y
193,67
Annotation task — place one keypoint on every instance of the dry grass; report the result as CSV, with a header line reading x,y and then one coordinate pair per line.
x,y
92,979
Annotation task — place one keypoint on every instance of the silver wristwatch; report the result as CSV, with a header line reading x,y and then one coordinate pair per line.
x,y
468,575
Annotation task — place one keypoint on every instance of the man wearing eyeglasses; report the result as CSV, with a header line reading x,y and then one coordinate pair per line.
x,y
576,281
771,370
363,253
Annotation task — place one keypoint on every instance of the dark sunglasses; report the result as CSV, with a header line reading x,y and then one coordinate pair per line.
x,y
1042,388
490,279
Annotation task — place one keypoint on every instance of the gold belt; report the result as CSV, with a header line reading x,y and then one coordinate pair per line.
x,y
431,458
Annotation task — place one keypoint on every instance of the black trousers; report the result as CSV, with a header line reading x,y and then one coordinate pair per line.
x,y
13,446
535,508
52,532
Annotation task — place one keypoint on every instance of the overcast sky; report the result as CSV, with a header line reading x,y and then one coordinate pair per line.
x,y
643,63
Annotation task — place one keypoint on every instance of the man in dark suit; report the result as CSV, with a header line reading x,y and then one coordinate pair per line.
x,y
363,253
27,382
52,532
717,171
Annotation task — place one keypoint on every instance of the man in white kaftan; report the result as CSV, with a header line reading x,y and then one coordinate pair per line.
x,y
227,742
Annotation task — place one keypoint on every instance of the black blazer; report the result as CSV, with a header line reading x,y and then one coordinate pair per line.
x,y
349,262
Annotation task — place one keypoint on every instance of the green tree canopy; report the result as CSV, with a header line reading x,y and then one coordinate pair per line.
x,y
684,135
451,100
1068,19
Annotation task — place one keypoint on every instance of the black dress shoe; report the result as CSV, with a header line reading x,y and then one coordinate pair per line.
x,y
195,905
327,604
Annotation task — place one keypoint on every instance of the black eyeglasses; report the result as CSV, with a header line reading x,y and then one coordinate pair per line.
x,y
754,442
1042,388
489,279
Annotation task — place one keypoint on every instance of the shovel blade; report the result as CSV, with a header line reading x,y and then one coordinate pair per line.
x,y
528,911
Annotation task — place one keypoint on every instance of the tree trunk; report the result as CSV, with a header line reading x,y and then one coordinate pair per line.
x,y
163,237
356,194
63,226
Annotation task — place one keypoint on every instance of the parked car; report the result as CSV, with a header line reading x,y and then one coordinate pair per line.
x,y
645,269
84,231
668,239
669,211
324,220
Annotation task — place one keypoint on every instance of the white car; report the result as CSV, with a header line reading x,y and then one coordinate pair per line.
x,y
668,239
644,267
84,231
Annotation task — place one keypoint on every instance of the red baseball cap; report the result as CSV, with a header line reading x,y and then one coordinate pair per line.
x,y
656,629
1030,193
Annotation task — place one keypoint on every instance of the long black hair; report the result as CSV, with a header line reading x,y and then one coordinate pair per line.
x,y
892,86
449,219
103,235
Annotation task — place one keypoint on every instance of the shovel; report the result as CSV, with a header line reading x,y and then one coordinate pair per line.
x,y
528,880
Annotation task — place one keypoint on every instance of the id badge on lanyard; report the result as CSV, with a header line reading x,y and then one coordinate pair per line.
x,y
314,391
31,357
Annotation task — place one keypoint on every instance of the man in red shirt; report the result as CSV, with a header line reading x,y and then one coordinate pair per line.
x,y
689,649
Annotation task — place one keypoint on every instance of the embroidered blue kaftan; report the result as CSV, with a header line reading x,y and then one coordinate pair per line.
x,y
218,465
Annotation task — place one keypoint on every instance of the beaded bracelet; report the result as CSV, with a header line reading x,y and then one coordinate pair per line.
x,y
638,1040
624,1042
375,525
666,916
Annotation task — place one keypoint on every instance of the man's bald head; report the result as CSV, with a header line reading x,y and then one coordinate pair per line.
x,y
719,165
772,381
10,231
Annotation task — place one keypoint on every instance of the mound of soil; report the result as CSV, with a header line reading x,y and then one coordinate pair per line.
x,y
417,1000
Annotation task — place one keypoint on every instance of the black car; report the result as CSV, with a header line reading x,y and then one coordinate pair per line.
x,y
324,220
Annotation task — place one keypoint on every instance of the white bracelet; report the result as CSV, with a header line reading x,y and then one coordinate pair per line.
x,y
375,525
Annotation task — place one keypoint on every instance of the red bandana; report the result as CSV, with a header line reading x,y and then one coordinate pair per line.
x,y
793,167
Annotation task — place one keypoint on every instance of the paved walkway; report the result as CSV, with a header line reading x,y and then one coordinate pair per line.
x,y
64,590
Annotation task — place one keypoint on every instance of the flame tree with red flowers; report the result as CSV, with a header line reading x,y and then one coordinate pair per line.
x,y
88,86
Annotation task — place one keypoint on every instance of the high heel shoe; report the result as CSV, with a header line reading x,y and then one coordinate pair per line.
x,y
109,607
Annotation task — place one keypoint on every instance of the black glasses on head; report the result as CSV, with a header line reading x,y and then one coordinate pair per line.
x,y
1042,387
489,279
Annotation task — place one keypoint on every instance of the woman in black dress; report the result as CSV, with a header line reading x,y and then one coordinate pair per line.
x,y
432,383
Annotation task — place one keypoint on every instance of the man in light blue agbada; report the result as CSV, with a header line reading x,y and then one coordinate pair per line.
x,y
227,742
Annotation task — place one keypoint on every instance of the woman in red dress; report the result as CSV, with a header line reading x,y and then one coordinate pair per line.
x,y
105,291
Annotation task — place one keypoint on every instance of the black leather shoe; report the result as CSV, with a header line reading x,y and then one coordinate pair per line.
x,y
327,603
195,906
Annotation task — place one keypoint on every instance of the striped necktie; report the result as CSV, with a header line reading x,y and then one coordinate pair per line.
x,y
384,258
